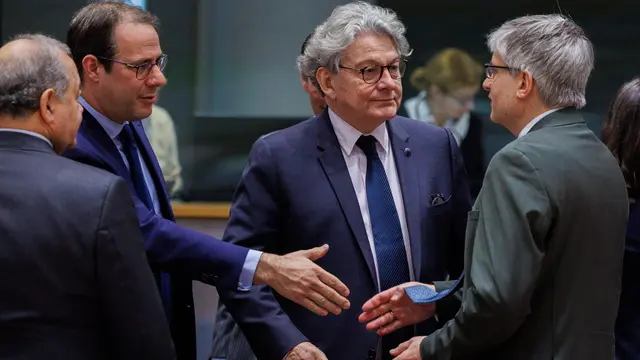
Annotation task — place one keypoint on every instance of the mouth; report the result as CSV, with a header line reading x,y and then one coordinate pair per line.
x,y
148,99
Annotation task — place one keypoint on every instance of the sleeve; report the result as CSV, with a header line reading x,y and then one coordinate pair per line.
x,y
175,249
137,326
512,217
255,221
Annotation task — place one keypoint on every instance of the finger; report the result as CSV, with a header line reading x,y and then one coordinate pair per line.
x,y
312,306
335,284
389,328
314,253
381,321
401,348
367,316
378,300
324,302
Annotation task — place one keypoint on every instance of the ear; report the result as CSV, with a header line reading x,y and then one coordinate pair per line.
x,y
91,68
48,106
525,84
323,76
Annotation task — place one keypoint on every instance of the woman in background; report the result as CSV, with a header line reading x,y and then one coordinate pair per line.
x,y
621,134
448,84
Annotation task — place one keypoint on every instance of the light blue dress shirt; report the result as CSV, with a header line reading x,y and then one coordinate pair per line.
x,y
113,129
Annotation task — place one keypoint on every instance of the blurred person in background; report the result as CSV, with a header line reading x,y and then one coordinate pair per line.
x,y
160,130
448,84
621,133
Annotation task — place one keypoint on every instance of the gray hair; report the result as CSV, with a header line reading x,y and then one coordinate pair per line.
x,y
554,50
346,22
24,77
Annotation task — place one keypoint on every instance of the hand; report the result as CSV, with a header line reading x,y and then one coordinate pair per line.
x,y
305,351
408,350
297,278
392,309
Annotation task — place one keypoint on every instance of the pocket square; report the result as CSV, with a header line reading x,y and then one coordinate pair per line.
x,y
438,199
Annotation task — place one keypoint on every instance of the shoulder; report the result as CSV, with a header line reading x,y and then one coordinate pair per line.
x,y
421,129
295,136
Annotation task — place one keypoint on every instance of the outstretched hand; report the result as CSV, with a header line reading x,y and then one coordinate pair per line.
x,y
296,277
392,309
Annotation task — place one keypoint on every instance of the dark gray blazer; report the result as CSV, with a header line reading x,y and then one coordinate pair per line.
x,y
74,279
543,255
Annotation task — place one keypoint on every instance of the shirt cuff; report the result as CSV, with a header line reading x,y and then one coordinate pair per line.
x,y
249,270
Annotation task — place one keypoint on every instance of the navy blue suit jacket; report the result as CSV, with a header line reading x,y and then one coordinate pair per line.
x,y
182,253
296,193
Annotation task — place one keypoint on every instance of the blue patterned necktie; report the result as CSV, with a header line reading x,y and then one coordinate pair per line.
x,y
130,150
393,268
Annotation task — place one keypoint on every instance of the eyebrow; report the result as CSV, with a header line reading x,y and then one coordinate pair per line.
x,y
376,62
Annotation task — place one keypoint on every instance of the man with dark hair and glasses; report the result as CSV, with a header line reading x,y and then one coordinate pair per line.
x,y
388,194
117,52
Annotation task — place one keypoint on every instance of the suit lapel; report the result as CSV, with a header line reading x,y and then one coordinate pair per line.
x,y
334,166
144,146
103,145
409,185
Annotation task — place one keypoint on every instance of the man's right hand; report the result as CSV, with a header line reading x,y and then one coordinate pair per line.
x,y
296,277
305,351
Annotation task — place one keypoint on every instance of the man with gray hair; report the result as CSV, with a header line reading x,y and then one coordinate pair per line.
x,y
70,245
388,194
546,235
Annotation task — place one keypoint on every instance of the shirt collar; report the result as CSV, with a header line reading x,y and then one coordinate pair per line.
x,y
348,135
535,120
27,132
112,128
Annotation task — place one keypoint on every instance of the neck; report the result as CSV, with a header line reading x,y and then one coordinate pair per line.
x,y
438,117
530,113
91,97
364,125
30,123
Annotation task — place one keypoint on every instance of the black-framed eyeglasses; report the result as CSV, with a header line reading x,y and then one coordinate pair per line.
x,y
490,69
142,70
373,74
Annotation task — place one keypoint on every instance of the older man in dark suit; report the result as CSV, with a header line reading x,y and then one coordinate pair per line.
x,y
545,238
74,278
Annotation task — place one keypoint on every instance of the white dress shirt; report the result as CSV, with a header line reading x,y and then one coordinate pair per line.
x,y
535,120
356,161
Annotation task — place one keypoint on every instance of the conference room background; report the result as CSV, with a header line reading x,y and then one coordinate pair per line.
x,y
232,74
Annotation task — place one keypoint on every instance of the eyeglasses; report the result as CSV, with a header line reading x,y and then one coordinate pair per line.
x,y
373,74
490,70
142,70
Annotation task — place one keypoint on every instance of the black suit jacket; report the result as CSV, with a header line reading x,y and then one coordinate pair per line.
x,y
74,279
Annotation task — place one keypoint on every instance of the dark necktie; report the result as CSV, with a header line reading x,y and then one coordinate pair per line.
x,y
393,268
130,150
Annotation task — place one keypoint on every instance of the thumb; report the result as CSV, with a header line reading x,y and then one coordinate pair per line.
x,y
315,253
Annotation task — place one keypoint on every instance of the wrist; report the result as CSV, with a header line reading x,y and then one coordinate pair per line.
x,y
265,269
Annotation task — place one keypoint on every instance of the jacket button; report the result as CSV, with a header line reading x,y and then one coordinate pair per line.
x,y
372,354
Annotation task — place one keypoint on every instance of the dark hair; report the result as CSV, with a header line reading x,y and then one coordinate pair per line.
x,y
621,133
91,31
305,42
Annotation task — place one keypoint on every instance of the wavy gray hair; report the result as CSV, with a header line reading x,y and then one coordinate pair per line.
x,y
346,22
554,50
24,78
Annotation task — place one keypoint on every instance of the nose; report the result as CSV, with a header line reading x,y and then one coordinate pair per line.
x,y
156,78
486,84
386,80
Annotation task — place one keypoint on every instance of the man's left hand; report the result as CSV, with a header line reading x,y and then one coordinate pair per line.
x,y
408,350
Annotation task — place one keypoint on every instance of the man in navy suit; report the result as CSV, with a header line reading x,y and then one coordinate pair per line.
x,y
117,51
389,194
